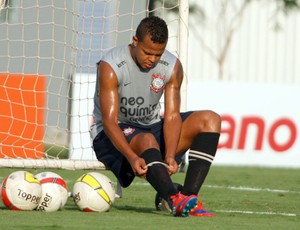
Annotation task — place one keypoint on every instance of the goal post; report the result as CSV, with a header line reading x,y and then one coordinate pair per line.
x,y
49,51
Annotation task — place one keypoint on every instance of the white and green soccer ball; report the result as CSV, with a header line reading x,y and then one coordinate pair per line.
x,y
94,192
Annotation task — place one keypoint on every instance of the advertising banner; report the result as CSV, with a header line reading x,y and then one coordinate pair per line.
x,y
260,122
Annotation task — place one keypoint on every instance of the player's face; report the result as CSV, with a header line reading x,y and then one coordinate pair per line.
x,y
147,53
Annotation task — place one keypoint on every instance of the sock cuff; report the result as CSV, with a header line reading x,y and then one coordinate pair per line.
x,y
152,155
206,159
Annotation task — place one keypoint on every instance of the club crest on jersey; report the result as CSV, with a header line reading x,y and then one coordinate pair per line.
x,y
157,83
127,131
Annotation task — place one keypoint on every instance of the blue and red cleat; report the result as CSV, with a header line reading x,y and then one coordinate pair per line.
x,y
182,205
199,210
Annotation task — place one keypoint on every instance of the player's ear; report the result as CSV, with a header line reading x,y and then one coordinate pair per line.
x,y
134,41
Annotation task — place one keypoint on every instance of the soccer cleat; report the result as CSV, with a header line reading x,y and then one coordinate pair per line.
x,y
182,205
161,204
199,210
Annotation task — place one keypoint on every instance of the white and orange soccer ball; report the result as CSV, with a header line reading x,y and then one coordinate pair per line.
x,y
54,192
94,192
21,191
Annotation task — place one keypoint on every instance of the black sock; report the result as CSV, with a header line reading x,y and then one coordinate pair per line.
x,y
157,174
201,155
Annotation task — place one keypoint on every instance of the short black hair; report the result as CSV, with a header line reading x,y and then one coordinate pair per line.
x,y
155,27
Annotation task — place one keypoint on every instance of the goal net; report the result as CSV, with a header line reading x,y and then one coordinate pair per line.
x,y
49,51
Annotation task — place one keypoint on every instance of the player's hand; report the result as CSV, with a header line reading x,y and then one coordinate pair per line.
x,y
172,165
139,167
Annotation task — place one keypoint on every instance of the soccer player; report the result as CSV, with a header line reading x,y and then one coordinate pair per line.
x,y
132,137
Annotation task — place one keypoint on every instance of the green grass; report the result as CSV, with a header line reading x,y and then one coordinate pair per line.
x,y
242,198
56,151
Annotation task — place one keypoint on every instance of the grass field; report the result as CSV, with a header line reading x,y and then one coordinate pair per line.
x,y
241,197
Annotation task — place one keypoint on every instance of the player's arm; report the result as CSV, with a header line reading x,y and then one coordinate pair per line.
x,y
172,119
109,101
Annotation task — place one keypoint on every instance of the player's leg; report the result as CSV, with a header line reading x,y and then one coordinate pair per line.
x,y
200,133
157,175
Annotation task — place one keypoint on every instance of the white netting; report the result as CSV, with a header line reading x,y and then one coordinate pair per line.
x,y
47,71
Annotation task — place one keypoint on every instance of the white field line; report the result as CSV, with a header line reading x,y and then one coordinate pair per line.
x,y
257,213
235,188
252,189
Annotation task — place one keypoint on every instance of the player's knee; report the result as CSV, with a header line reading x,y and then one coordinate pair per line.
x,y
147,137
212,121
146,141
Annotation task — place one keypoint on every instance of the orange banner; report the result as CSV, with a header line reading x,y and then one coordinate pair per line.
x,y
22,104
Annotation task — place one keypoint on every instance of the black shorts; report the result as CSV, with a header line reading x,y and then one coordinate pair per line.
x,y
115,161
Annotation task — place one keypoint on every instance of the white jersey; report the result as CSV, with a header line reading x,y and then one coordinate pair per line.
x,y
139,90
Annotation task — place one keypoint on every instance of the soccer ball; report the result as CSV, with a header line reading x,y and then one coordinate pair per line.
x,y
21,191
94,192
54,192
